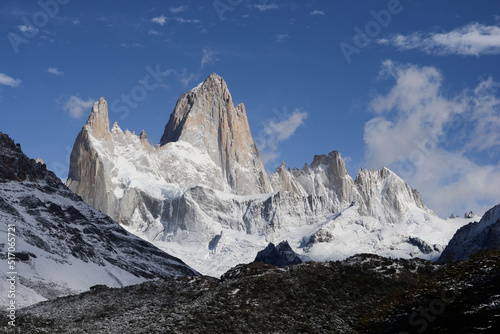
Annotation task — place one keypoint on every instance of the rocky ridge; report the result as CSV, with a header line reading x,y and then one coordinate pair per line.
x,y
63,246
482,235
362,294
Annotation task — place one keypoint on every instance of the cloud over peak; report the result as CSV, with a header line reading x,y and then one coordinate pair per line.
x,y
76,107
275,132
433,140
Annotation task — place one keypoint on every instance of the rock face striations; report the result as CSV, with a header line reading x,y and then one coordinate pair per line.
x,y
89,176
207,119
62,245
206,176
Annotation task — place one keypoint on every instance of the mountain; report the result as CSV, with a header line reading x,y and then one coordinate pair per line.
x,y
207,119
362,294
203,195
62,245
281,255
482,235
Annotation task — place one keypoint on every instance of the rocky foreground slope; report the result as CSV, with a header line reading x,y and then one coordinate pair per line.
x,y
203,195
363,294
62,246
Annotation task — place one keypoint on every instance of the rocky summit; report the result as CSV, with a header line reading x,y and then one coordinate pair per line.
x,y
203,194
207,119
281,255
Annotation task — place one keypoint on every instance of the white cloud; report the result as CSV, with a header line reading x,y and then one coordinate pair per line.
x,y
273,133
263,8
9,81
280,38
161,20
317,12
185,78
181,20
29,29
209,57
444,146
177,10
76,107
473,39
154,32
55,71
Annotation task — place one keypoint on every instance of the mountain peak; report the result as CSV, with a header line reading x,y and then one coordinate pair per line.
x,y
15,166
206,118
98,121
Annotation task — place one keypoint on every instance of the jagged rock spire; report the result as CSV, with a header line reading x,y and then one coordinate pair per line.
x,y
98,121
206,118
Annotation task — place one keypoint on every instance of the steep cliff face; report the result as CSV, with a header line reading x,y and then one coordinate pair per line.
x,y
89,175
207,177
207,118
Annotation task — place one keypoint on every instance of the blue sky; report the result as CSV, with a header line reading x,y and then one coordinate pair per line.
x,y
412,85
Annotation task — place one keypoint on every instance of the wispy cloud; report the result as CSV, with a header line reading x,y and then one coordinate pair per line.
x,y
264,8
445,146
154,32
209,57
317,12
275,132
161,20
181,20
473,39
9,81
55,71
185,78
177,10
280,38
76,107
29,29
131,45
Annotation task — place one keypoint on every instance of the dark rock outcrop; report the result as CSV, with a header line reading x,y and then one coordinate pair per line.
x,y
281,255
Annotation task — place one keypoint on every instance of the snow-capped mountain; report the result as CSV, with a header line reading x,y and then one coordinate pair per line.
x,y
62,245
474,236
203,195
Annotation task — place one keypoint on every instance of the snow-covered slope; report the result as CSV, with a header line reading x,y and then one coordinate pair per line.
x,y
203,195
484,234
63,246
